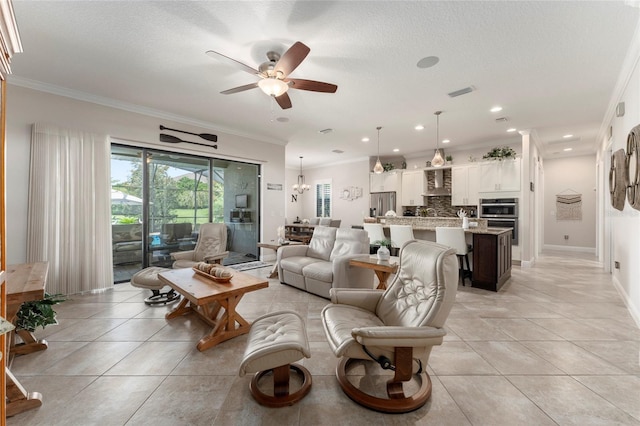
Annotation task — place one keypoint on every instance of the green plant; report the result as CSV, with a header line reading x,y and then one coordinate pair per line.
x,y
449,158
128,220
38,313
388,166
386,242
500,153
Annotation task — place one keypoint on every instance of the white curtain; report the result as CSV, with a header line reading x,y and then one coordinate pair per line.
x,y
69,217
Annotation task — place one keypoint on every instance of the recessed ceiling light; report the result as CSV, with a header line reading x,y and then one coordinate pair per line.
x,y
568,149
496,109
365,139
446,141
282,119
395,150
419,127
567,136
428,62
338,151
513,129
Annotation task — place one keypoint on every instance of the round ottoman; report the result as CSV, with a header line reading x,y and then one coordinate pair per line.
x,y
148,278
275,341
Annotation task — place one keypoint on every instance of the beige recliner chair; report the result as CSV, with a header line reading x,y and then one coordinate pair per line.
x,y
210,247
395,328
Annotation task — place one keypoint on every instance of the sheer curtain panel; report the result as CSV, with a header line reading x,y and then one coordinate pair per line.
x,y
69,223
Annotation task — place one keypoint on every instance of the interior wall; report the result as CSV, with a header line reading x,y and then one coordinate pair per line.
x,y
625,225
28,106
342,176
568,176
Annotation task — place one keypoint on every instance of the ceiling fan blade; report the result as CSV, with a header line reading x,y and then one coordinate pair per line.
x,y
314,86
232,62
240,88
290,60
284,101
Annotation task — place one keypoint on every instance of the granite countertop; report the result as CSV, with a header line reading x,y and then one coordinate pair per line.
x,y
430,224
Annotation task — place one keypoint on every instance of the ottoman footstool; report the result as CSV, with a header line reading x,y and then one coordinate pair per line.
x,y
275,341
148,278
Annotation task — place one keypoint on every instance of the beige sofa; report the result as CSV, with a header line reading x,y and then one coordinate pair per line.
x,y
324,263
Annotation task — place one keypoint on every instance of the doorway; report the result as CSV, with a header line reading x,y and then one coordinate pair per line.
x,y
159,200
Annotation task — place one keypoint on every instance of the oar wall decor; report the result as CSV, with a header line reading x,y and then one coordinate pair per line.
x,y
172,139
205,136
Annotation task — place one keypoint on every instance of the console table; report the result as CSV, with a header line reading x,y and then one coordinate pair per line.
x,y
25,283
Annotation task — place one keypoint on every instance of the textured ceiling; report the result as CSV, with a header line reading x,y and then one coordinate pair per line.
x,y
552,66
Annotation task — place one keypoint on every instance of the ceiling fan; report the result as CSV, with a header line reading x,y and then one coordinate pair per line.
x,y
275,72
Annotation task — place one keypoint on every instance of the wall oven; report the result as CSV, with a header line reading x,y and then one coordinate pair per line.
x,y
501,213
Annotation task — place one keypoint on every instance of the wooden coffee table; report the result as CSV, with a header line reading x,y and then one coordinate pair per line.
x,y
214,302
382,268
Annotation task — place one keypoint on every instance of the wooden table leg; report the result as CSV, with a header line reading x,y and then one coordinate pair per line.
x,y
382,278
18,399
181,309
29,344
225,326
274,271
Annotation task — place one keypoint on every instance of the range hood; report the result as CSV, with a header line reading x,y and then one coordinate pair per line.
x,y
438,189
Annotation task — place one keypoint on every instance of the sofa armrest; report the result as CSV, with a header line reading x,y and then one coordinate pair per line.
x,y
362,298
182,255
292,250
396,336
347,276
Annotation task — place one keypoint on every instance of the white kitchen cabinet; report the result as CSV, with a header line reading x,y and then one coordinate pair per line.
x,y
500,176
465,185
384,182
414,184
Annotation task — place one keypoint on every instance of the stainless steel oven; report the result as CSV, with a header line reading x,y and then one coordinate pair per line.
x,y
501,213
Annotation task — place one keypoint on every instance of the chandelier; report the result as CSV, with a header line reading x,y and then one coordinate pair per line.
x,y
300,187
437,161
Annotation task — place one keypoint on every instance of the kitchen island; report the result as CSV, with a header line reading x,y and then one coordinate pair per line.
x,y
491,262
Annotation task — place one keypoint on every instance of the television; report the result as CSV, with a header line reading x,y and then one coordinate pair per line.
x,y
242,201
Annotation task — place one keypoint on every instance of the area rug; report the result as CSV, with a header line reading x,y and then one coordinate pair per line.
x,y
249,265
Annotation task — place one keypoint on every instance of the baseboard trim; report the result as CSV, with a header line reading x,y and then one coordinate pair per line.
x,y
627,301
591,250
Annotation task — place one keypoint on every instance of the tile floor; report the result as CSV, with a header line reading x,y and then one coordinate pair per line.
x,y
555,346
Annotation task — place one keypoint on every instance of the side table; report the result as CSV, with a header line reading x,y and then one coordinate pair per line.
x,y
382,268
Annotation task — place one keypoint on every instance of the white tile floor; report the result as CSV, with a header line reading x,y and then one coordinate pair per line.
x,y
555,346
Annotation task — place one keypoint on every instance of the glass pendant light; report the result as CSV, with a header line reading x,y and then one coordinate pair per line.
x,y
377,169
437,161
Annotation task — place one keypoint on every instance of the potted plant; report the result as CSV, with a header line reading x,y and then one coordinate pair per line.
x,y
500,153
449,159
38,313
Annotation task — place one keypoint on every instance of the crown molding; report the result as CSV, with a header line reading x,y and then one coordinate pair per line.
x,y
124,106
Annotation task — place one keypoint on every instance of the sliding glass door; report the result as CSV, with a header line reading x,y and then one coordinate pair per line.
x,y
165,197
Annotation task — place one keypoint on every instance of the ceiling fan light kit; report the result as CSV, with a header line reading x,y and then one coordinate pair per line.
x,y
377,169
437,161
275,74
273,87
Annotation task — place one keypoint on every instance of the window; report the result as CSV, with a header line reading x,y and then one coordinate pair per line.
x,y
323,199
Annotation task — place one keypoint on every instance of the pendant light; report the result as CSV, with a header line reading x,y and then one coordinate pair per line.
x,y
300,186
377,169
437,161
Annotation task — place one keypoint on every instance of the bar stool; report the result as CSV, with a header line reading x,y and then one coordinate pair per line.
x,y
454,238
400,234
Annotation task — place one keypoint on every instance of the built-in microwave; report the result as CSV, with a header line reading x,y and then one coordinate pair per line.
x,y
499,208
